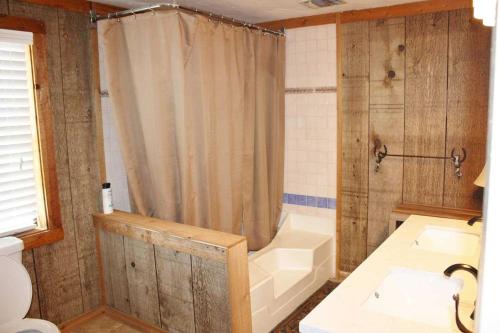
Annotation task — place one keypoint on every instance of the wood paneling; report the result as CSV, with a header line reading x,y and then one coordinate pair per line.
x,y
115,271
65,272
434,99
425,107
80,6
380,13
175,290
211,301
468,86
387,82
355,113
56,265
141,276
29,264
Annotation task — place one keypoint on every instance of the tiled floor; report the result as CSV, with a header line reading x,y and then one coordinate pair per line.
x,y
102,324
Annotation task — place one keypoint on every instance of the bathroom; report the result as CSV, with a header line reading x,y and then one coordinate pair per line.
x,y
218,166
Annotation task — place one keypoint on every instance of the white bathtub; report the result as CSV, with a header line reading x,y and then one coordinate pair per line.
x,y
299,260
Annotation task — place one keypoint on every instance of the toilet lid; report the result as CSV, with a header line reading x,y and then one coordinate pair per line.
x,y
15,290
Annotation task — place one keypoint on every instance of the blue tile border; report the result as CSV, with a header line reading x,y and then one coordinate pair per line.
x,y
309,201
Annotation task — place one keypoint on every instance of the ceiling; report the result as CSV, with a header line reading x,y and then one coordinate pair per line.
x,y
260,10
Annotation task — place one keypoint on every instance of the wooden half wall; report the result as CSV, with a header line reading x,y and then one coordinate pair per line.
x,y
418,84
178,277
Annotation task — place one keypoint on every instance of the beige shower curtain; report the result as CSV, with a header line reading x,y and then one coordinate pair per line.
x,y
199,107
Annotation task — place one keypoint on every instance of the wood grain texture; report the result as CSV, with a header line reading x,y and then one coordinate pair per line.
x,y
76,76
355,113
141,276
211,301
425,107
56,265
468,87
239,288
387,81
115,271
206,243
29,264
175,289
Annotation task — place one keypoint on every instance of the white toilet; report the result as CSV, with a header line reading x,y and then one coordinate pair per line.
x,y
16,292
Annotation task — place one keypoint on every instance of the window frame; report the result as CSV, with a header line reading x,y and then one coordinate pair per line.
x,y
53,229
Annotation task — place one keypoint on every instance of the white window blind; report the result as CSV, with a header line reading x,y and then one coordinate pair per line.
x,y
18,188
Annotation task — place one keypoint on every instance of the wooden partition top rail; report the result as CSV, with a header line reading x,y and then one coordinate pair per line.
x,y
444,212
196,241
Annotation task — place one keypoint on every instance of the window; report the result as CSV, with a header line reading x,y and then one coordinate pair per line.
x,y
29,197
20,176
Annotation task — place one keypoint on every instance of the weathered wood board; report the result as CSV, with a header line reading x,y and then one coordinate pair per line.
x,y
425,107
387,79
175,290
141,276
211,301
468,87
115,271
355,113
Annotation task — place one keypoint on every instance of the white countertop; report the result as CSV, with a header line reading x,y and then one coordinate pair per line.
x,y
342,311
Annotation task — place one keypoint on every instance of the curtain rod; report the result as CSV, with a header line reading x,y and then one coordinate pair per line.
x,y
94,17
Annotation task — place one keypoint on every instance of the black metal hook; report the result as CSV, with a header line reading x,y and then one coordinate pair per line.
x,y
458,160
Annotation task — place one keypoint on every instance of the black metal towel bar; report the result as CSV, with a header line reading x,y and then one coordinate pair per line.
x,y
456,158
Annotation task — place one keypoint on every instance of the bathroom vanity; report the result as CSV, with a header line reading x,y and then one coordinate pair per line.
x,y
401,286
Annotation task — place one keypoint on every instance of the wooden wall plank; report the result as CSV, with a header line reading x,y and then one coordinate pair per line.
x,y
4,7
56,265
115,271
76,76
468,86
425,107
175,290
355,113
387,82
211,301
29,264
141,275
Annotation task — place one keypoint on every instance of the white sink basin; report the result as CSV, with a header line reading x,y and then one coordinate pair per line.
x,y
447,240
417,296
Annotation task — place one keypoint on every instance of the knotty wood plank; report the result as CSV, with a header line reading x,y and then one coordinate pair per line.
x,y
29,264
115,271
175,289
425,107
141,275
211,299
468,86
56,265
355,113
387,75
